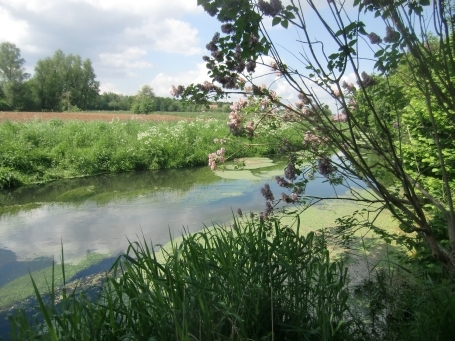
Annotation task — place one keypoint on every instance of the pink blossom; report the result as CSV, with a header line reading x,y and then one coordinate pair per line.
x,y
173,91
306,111
339,117
273,95
265,101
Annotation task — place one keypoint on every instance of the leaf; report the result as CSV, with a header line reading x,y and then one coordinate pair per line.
x,y
339,33
290,15
285,23
276,21
334,56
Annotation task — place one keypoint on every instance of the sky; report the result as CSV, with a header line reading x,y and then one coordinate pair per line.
x,y
130,42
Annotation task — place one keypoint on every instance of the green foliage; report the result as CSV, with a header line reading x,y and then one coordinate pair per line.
x,y
402,307
41,151
242,284
113,101
12,75
73,108
420,151
9,178
143,106
4,106
143,102
66,77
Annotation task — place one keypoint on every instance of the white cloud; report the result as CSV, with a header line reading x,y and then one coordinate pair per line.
x,y
146,7
109,87
132,58
36,6
169,35
11,29
163,82
137,7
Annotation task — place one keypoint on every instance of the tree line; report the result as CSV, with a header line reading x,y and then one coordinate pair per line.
x,y
68,83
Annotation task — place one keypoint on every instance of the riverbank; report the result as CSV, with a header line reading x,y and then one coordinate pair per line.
x,y
41,151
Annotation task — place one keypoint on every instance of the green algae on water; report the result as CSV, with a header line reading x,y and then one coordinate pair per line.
x,y
255,168
21,288
76,194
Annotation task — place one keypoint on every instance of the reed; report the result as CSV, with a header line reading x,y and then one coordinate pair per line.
x,y
255,282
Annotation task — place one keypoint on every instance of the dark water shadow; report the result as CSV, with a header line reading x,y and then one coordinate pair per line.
x,y
99,268
11,268
29,306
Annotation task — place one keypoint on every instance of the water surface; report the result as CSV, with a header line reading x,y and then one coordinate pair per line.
x,y
100,214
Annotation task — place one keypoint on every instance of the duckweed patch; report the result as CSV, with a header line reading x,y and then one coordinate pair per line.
x,y
77,194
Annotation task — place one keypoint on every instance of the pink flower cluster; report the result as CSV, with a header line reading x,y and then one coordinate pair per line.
x,y
239,105
349,87
235,123
352,105
311,139
176,91
340,117
289,199
249,128
216,157
235,120
274,68
265,102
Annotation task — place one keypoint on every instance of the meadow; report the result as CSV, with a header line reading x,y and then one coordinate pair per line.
x,y
39,151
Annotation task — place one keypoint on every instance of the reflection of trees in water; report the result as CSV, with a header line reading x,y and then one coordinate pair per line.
x,y
118,184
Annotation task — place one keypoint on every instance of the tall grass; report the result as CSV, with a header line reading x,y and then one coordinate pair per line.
x,y
42,151
251,283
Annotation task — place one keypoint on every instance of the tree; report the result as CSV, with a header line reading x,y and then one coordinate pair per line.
x,y
144,102
374,118
57,76
113,104
12,74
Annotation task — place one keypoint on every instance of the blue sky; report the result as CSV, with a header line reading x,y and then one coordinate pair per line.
x,y
130,42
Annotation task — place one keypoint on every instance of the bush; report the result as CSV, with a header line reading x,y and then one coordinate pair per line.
x,y
8,178
400,306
